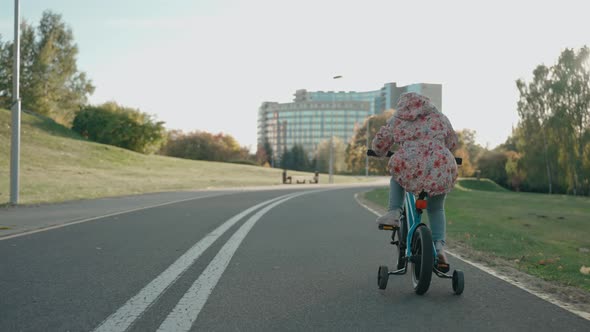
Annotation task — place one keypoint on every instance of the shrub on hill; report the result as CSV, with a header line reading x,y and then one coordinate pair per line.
x,y
120,126
201,145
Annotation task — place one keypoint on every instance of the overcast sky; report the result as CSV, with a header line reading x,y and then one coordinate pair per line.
x,y
209,64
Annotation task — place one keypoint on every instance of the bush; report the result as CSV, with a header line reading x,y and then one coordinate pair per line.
x,y
200,145
120,126
493,166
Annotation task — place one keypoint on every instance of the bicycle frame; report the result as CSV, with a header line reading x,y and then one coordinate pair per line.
x,y
413,221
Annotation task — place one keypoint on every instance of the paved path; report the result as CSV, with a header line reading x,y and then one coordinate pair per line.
x,y
302,259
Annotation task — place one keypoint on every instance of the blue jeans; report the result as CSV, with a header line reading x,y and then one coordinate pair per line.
x,y
436,209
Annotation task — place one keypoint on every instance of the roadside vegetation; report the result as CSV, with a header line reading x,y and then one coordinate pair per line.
x,y
543,235
57,165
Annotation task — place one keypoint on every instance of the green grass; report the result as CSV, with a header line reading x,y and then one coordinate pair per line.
x,y
482,184
543,235
58,165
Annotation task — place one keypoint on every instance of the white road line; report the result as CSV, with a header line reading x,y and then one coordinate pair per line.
x,y
541,295
122,319
70,223
188,308
366,206
514,282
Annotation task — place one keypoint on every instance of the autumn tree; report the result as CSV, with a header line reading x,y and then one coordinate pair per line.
x,y
51,83
357,148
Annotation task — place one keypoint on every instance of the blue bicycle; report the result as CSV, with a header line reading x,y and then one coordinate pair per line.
x,y
413,241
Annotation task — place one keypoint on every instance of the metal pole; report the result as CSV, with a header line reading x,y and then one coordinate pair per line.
x,y
16,111
331,162
368,147
331,178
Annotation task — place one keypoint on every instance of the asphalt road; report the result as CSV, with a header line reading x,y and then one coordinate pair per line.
x,y
306,262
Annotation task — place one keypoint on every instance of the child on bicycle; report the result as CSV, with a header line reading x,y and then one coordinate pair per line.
x,y
423,162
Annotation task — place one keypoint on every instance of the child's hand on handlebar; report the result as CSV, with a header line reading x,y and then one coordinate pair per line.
x,y
372,153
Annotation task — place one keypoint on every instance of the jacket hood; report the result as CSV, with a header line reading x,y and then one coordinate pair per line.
x,y
411,105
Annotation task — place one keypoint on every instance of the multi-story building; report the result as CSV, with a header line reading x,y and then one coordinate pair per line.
x,y
316,116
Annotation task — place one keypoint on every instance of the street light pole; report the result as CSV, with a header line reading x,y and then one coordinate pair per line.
x,y
331,177
331,161
368,147
16,111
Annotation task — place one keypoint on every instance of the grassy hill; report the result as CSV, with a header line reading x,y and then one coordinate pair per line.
x,y
544,235
57,164
482,184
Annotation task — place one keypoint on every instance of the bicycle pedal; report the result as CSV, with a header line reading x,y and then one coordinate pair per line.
x,y
443,268
395,243
386,227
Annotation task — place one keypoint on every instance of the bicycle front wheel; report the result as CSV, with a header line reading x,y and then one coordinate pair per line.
x,y
422,259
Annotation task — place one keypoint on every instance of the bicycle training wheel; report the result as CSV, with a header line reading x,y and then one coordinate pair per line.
x,y
382,277
422,259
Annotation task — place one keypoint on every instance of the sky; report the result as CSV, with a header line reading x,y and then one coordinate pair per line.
x,y
209,64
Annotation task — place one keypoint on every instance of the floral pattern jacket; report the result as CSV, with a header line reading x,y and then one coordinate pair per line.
x,y
424,160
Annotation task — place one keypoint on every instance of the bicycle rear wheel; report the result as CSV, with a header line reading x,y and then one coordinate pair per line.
x,y
422,259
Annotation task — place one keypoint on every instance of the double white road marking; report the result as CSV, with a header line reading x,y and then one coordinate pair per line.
x,y
188,308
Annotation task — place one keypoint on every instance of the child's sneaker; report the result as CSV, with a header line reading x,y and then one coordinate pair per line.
x,y
390,219
442,262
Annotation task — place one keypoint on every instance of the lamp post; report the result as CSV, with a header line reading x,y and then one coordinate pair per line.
x,y
331,177
16,111
368,147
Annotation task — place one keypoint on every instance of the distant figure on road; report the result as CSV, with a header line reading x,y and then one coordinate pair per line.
x,y
423,162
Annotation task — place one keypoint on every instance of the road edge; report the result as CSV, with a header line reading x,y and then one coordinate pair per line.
x,y
71,222
571,307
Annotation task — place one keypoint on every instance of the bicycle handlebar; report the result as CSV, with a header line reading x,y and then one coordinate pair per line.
x,y
372,153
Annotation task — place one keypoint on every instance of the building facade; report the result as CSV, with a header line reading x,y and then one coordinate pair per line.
x,y
316,116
